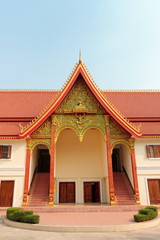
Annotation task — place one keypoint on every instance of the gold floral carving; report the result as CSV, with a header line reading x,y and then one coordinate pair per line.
x,y
44,131
81,120
80,99
118,134
80,123
36,141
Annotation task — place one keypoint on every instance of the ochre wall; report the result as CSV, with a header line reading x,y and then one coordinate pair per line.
x,y
81,161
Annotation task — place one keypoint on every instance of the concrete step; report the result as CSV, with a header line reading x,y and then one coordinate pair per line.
x,y
84,208
39,193
124,195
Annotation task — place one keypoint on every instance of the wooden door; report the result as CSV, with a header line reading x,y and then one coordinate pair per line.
x,y
6,193
154,191
71,192
91,192
96,195
87,192
67,192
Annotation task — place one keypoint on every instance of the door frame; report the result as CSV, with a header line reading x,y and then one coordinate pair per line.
x,y
66,180
92,180
14,190
147,190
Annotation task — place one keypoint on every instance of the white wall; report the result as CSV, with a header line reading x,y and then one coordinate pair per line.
x,y
33,164
14,168
127,163
146,168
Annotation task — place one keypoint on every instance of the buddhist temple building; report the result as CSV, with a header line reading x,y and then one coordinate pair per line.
x,y
79,145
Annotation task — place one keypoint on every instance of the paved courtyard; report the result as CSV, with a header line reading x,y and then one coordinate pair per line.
x,y
9,233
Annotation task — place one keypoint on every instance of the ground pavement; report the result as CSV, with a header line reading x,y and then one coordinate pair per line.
x,y
9,233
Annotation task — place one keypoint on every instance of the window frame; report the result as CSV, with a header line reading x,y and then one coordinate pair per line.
x,y
152,144
6,145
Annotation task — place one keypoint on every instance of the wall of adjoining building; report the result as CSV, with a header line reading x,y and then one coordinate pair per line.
x,y
14,168
147,168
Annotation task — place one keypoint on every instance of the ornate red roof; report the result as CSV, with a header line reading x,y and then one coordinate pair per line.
x,y
24,105
80,69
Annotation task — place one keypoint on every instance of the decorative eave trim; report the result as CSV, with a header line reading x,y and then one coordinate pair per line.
x,y
16,119
9,137
80,68
132,90
145,119
151,136
28,90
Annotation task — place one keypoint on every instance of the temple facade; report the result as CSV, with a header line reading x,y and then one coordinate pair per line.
x,y
79,145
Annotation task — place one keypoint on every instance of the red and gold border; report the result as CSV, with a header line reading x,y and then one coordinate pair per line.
x,y
151,136
110,109
9,137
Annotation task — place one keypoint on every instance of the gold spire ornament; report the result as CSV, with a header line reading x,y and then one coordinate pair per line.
x,y
80,60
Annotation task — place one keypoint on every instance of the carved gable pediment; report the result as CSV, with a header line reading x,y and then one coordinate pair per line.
x,y
43,131
80,99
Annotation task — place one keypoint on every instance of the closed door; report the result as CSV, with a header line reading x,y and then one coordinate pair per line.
x,y
154,191
91,192
87,192
67,192
6,193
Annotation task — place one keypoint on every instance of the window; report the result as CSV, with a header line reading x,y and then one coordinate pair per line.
x,y
153,151
5,152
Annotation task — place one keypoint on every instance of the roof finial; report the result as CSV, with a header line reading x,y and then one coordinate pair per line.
x,y
80,60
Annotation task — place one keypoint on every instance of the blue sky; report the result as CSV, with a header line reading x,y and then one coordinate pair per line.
x,y
40,42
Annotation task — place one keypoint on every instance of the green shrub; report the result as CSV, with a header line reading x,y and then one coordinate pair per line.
x,y
145,214
19,215
11,210
155,209
31,219
141,217
150,212
26,216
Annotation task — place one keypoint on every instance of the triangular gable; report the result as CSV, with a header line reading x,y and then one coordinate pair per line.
x,y
81,69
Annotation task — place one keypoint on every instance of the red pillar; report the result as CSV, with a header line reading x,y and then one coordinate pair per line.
x,y
52,157
109,160
134,170
27,168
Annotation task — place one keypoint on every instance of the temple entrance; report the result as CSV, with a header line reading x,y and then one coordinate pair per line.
x,y
44,160
122,175
83,163
91,192
39,176
67,192
116,160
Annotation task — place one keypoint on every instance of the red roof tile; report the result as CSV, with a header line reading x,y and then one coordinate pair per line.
x,y
10,128
136,104
149,128
23,103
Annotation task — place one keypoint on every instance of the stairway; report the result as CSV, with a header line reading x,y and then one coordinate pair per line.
x,y
39,190
123,190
